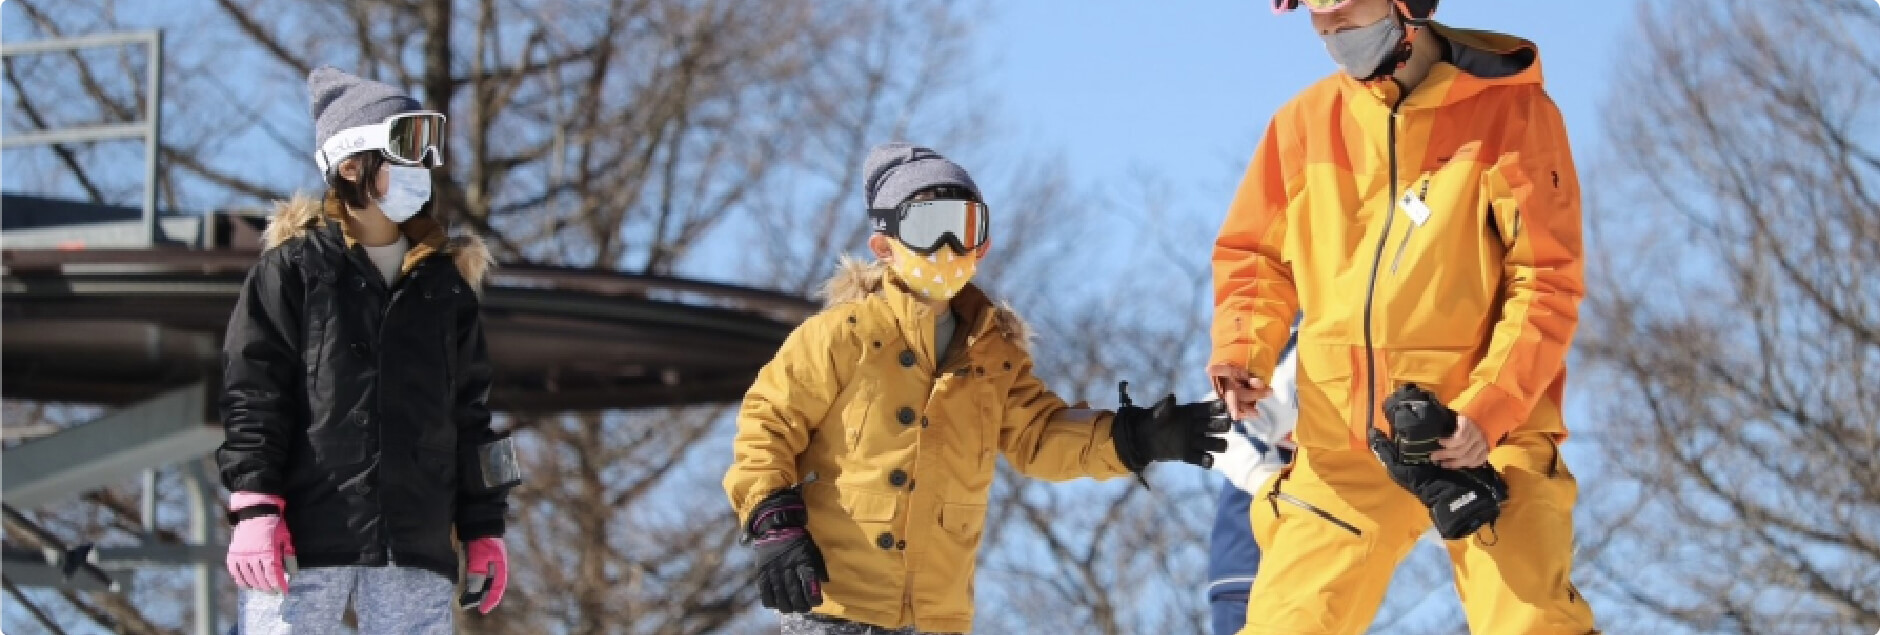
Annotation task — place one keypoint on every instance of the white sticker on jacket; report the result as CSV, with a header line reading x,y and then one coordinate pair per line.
x,y
1413,205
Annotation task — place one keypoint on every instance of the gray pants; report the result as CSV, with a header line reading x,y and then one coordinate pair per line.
x,y
812,624
389,600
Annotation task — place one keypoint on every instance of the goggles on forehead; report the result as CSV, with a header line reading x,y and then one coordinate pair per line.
x,y
1411,9
409,138
924,226
1316,6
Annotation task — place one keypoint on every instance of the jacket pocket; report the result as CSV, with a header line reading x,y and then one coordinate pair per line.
x,y
964,520
1437,370
438,464
855,420
317,325
1402,246
339,441
1277,497
868,507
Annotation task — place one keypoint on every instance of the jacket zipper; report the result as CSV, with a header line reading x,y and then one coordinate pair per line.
x,y
397,291
1422,195
1295,501
1370,292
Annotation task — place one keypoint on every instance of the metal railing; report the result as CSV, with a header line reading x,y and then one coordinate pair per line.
x,y
148,129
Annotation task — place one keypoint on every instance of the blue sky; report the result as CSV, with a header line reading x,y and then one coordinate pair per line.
x,y
1182,89
1187,90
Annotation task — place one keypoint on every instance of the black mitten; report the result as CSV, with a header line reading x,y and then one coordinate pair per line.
x,y
790,569
1169,432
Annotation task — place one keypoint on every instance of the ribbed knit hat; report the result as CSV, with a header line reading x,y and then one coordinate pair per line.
x,y
342,100
895,171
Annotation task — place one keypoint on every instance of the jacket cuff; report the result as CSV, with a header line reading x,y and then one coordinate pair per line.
x,y
255,483
468,531
1493,410
755,497
243,499
1248,357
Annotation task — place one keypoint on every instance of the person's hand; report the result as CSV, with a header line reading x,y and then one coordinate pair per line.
x,y
1464,449
260,550
1191,433
1240,390
486,569
790,568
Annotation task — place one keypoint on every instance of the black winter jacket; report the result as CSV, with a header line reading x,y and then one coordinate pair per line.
x,y
361,403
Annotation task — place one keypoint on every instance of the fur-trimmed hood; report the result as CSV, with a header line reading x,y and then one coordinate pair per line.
x,y
294,217
855,280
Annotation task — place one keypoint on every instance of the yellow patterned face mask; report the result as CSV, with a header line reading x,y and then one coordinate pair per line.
x,y
936,277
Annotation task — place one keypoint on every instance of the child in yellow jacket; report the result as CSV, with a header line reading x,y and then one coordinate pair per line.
x,y
874,428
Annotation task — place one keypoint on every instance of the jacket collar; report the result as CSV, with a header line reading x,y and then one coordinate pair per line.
x,y
295,217
979,316
1475,61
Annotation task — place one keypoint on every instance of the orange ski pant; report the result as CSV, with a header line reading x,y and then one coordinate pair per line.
x,y
1333,528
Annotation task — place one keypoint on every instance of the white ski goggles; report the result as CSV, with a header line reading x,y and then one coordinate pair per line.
x,y
408,138
924,226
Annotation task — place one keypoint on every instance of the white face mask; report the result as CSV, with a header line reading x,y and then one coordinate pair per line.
x,y
408,190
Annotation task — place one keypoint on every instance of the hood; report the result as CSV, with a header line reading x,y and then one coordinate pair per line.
x,y
1484,58
855,280
294,217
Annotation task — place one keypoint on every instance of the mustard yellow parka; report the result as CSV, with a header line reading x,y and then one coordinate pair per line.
x,y
897,451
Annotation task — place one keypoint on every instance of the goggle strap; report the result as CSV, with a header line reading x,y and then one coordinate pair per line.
x,y
884,220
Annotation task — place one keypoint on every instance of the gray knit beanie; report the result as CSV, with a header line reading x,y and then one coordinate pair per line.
x,y
895,171
342,100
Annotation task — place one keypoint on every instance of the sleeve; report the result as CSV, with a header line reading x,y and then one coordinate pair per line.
x,y
479,514
792,395
1043,437
1254,296
260,368
1534,196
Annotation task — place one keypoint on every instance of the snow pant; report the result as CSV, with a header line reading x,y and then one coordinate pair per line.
x,y
388,599
1227,610
1233,558
1333,528
813,624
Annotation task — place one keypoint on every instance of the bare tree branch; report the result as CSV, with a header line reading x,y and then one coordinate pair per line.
x,y
1742,397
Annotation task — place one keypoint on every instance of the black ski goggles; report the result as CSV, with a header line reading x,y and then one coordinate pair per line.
x,y
410,138
925,226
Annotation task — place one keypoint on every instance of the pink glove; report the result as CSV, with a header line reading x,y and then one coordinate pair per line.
x,y
486,559
260,551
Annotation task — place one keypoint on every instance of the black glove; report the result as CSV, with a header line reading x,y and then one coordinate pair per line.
x,y
1460,501
1168,432
790,569
1419,422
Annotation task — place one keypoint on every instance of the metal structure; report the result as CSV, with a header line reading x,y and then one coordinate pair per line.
x,y
140,330
149,129
137,326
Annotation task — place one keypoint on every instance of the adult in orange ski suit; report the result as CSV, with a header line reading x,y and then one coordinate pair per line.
x,y
1427,220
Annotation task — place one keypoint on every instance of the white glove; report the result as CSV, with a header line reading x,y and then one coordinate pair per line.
x,y
1244,463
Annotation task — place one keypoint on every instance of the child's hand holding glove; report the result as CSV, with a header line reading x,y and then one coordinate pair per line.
x,y
790,569
1169,432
